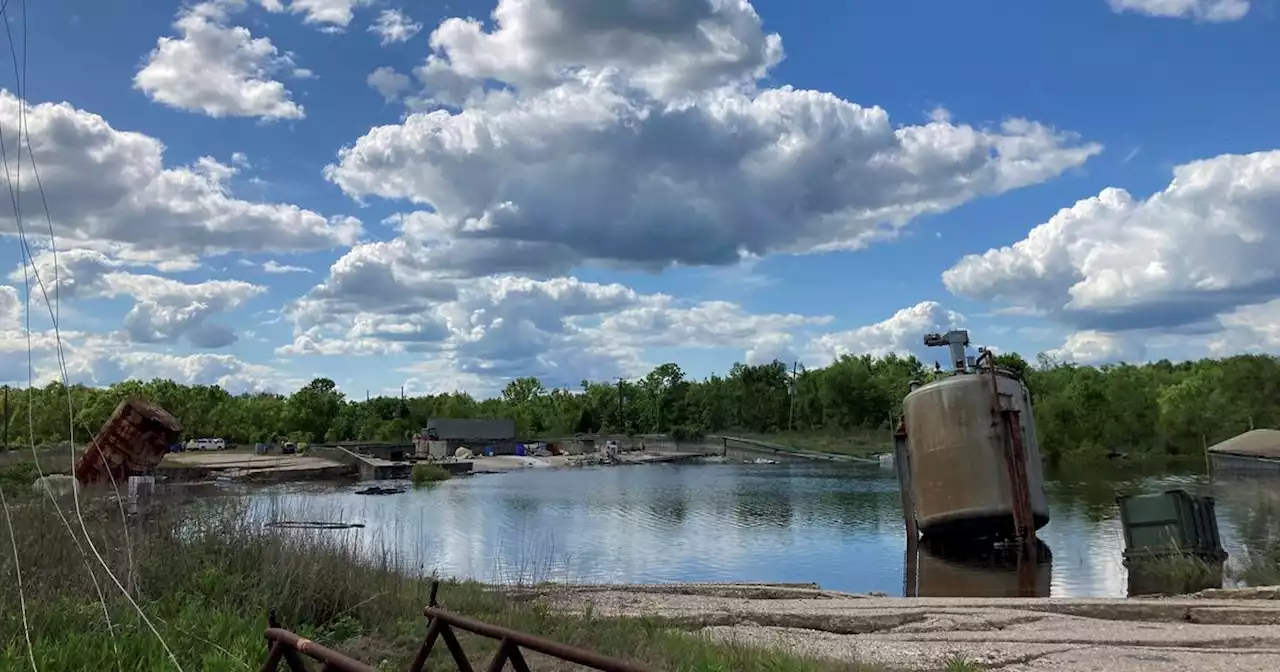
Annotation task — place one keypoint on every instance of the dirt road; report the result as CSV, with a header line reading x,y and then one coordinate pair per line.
x,y
1022,635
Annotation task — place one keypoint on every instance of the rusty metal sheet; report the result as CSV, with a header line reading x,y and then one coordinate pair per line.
x,y
131,443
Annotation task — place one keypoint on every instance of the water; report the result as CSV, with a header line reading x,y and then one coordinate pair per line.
x,y
836,525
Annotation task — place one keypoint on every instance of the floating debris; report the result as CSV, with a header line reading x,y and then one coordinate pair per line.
x,y
312,525
379,490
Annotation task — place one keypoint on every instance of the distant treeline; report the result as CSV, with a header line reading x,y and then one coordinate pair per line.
x,y
1082,411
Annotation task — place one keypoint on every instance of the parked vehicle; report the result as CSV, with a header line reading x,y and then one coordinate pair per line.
x,y
207,444
289,449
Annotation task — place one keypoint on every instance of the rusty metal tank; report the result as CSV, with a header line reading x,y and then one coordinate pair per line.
x,y
956,447
131,443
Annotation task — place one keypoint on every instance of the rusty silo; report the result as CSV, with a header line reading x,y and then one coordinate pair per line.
x,y
973,460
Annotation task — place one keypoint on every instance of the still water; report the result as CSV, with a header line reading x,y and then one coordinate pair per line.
x,y
835,525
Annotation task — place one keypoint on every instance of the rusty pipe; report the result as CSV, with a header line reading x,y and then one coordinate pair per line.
x,y
331,659
525,640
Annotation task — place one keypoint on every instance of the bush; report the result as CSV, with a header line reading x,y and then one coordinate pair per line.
x,y
684,434
429,473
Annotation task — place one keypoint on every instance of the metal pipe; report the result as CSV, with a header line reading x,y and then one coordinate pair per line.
x,y
902,464
564,652
316,651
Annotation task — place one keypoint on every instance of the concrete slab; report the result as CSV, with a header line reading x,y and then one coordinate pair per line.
x,y
1025,634
248,466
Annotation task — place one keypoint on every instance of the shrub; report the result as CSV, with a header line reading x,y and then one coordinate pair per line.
x,y
428,473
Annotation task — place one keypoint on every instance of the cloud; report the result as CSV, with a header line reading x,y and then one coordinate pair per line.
x,y
493,328
1202,247
1096,347
393,25
903,333
163,311
583,172
665,48
391,84
95,359
1254,328
331,15
216,69
114,194
11,307
1217,11
276,268
635,134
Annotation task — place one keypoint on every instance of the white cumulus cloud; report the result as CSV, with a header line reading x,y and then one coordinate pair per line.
x,y
332,15
114,193
902,333
1202,246
163,310
217,69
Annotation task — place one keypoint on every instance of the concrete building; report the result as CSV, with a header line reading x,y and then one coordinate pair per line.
x,y
495,435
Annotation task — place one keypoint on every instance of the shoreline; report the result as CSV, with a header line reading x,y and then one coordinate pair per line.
x,y
1221,629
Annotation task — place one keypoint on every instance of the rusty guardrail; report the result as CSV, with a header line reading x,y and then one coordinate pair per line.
x,y
284,646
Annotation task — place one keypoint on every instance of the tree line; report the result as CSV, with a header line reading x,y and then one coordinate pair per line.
x,y
1081,411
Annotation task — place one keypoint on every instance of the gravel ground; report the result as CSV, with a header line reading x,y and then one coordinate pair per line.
x,y
1023,635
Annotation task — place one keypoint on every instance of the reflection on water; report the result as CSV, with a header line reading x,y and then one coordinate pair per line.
x,y
935,570
837,525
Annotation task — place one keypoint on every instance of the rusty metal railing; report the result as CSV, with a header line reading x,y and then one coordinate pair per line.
x,y
285,646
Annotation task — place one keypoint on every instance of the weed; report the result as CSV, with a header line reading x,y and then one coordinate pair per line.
x,y
207,574
428,473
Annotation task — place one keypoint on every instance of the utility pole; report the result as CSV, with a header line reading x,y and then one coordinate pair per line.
x,y
791,392
622,421
6,418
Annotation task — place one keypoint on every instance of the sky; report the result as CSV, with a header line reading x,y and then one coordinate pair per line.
x,y
446,196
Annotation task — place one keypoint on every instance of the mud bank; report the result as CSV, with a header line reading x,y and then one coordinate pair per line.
x,y
1222,632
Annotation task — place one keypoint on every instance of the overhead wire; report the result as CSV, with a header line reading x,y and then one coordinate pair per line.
x,y
54,308
16,196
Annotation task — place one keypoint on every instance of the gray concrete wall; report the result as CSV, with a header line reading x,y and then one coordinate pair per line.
x,y
475,430
500,447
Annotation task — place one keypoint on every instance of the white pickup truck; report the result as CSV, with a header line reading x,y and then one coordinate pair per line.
x,y
206,444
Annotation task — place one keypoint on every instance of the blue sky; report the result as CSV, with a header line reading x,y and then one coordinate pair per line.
x,y
579,190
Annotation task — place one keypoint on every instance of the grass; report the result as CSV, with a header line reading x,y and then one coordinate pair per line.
x,y
961,664
18,470
428,473
1173,575
856,443
206,575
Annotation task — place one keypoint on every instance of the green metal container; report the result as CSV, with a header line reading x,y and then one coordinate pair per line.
x,y
1169,523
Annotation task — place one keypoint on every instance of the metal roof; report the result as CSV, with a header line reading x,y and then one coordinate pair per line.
x,y
1254,443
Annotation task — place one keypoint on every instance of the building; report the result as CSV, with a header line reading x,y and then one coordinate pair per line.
x,y
487,435
1255,450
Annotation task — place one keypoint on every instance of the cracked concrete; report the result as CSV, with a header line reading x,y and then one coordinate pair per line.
x,y
1203,633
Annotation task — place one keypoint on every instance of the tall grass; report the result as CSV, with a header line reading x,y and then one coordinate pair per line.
x,y
207,575
424,473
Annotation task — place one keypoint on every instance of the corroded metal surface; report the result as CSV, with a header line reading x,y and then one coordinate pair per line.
x,y
958,453
131,443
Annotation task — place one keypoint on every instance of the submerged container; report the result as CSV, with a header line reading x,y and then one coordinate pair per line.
x,y
1169,523
131,443
956,447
